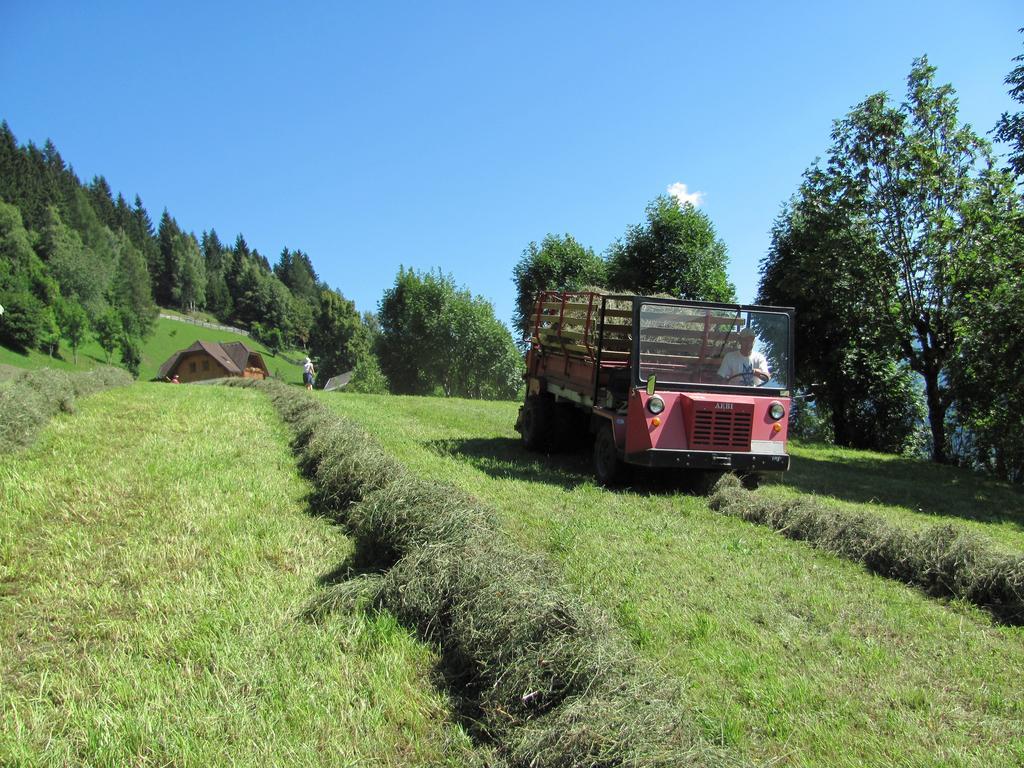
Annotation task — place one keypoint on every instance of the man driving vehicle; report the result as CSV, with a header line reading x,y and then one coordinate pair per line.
x,y
745,367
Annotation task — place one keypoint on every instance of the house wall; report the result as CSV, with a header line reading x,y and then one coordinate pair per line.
x,y
198,366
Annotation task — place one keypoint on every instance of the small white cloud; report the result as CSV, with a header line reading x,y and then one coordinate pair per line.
x,y
680,192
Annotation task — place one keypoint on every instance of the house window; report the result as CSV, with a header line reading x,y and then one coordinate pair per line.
x,y
192,367
206,365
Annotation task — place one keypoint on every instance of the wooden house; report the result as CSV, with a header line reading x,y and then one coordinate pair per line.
x,y
211,360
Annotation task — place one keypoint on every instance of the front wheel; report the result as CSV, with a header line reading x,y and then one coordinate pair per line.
x,y
608,467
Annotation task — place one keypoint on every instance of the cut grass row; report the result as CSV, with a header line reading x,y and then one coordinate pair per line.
x,y
155,556
539,673
945,560
28,399
787,653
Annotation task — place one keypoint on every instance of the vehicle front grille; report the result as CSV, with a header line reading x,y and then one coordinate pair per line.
x,y
720,430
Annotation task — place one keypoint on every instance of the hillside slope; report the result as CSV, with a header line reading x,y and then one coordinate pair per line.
x,y
790,654
168,337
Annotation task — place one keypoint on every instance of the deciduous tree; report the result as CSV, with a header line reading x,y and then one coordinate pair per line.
x,y
911,173
675,252
559,263
440,339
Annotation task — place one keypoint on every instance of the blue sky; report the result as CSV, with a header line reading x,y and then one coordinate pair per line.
x,y
451,135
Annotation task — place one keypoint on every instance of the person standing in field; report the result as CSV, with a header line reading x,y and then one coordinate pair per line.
x,y
308,373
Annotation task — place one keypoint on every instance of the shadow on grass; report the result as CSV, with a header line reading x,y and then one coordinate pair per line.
x,y
932,489
505,458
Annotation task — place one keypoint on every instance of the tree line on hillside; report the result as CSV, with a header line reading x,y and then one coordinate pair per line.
x,y
903,255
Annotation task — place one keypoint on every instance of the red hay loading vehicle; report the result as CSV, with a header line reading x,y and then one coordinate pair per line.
x,y
660,382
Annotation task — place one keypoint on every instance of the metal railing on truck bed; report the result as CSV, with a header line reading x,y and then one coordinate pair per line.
x,y
570,323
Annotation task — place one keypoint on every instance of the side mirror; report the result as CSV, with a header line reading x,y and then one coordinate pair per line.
x,y
650,384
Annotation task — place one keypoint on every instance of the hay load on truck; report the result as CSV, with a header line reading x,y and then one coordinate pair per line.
x,y
698,386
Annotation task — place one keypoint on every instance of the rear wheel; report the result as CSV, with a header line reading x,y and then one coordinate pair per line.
x,y
537,422
608,467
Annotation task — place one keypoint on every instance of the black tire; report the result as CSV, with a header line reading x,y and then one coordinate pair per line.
x,y
608,467
537,421
570,430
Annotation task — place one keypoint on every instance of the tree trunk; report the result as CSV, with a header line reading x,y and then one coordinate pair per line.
x,y
840,424
936,416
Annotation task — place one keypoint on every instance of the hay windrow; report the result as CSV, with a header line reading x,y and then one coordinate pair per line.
x,y
535,671
30,399
944,561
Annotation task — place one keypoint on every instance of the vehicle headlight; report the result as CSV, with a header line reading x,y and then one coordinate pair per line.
x,y
776,411
655,404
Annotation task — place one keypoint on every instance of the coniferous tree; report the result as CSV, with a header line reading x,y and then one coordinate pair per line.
x,y
338,340
215,258
131,288
168,287
102,201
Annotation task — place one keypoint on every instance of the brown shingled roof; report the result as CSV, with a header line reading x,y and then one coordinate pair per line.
x,y
233,356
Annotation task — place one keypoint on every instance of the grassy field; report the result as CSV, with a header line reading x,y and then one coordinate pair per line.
x,y
156,555
791,656
168,337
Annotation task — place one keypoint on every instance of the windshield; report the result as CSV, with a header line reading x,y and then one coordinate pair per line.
x,y
700,345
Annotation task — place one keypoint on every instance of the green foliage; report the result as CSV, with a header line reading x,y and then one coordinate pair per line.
x,y
987,373
338,340
560,263
1010,128
74,324
27,293
822,254
436,337
368,378
83,273
131,289
675,252
131,351
905,184
191,279
295,270
107,330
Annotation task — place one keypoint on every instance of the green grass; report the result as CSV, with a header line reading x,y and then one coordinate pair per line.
x,y
789,654
156,555
168,337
